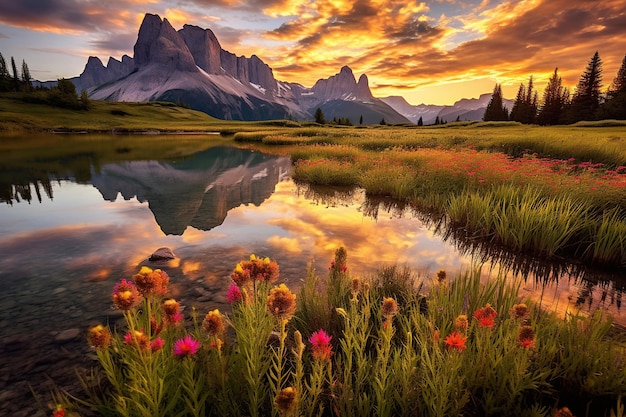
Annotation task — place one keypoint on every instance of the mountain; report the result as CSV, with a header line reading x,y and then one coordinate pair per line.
x,y
427,112
189,66
465,109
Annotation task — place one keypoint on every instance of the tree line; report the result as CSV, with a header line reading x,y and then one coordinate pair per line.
x,y
62,95
558,106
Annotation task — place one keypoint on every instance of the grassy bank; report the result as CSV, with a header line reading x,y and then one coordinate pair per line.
x,y
545,191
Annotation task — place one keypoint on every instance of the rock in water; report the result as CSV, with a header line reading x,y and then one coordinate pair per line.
x,y
162,254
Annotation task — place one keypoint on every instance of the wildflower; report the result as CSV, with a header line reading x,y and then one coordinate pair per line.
x,y
389,307
436,335
441,275
456,340
156,344
563,412
519,311
214,323
125,295
461,322
355,285
171,308
217,344
138,339
486,316
321,349
286,400
187,346
234,294
59,411
99,336
151,282
281,302
337,267
240,276
526,337
154,326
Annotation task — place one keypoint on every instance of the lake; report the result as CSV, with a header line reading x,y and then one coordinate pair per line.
x,y
80,212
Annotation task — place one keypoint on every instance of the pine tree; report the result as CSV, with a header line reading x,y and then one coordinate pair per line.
x,y
319,116
420,122
554,101
3,67
437,120
495,110
26,78
361,120
525,107
586,100
615,105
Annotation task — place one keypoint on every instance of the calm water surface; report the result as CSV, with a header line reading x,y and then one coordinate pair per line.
x,y
70,229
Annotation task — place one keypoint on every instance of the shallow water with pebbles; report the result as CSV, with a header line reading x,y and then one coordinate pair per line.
x,y
62,252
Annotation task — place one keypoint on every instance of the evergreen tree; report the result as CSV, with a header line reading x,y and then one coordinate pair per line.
x,y
361,120
437,120
15,81
525,107
3,67
495,110
586,100
382,122
319,116
555,98
615,105
26,78
4,75
420,122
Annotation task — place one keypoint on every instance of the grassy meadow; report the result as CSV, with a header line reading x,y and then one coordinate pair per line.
x,y
552,192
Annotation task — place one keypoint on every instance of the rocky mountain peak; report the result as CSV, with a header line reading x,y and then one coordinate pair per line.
x,y
363,91
159,43
204,47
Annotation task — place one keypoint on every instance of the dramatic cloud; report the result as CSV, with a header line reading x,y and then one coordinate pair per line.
x,y
402,46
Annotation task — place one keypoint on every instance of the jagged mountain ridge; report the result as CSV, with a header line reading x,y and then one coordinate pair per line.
x,y
465,109
189,66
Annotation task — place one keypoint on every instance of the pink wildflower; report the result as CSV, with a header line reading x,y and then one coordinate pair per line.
x,y
187,346
322,349
156,344
234,294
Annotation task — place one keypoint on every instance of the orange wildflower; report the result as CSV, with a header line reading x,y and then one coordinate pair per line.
x,y
281,302
151,282
99,336
456,340
214,323
125,295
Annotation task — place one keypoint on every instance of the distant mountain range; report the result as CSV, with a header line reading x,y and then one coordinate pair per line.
x,y
190,67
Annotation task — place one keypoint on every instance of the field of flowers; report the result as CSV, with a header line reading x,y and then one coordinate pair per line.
x,y
389,345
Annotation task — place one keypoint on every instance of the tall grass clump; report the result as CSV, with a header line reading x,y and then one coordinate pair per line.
x,y
530,221
392,344
326,172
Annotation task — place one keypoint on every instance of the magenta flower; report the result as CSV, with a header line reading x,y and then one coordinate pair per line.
x,y
234,294
156,344
186,346
322,349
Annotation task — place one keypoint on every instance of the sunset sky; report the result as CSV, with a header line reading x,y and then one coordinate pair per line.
x,y
432,52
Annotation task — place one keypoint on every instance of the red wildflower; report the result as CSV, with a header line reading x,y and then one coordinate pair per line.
x,y
456,340
486,316
187,346
321,349
59,411
526,337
